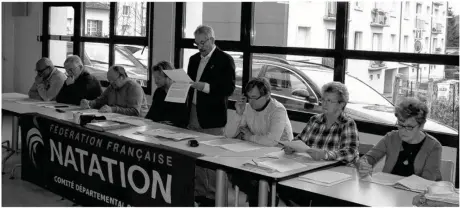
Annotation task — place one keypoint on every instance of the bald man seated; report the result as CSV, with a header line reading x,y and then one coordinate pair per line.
x,y
48,81
80,84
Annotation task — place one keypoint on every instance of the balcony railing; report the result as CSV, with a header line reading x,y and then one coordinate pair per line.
x,y
437,29
376,65
419,23
438,50
331,11
379,18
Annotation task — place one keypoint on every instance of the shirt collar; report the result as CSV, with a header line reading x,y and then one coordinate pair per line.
x,y
340,120
209,54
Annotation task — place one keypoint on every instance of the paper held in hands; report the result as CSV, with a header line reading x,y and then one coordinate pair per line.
x,y
297,145
178,91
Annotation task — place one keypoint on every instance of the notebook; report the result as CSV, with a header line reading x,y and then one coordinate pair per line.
x,y
325,177
281,165
107,125
414,183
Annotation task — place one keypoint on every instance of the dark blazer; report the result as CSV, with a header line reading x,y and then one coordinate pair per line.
x,y
160,110
86,86
219,73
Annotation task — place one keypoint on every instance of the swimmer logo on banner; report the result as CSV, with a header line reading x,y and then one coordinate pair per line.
x,y
94,169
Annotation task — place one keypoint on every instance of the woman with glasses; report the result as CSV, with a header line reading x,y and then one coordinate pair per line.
x,y
331,135
408,150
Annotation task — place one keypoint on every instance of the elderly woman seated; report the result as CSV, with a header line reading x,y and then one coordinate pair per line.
x,y
408,150
331,135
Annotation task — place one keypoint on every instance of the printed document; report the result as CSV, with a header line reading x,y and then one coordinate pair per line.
x,y
221,142
281,165
325,177
167,134
178,91
382,178
297,145
241,146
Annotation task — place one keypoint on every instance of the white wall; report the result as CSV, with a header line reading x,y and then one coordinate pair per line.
x,y
7,49
20,47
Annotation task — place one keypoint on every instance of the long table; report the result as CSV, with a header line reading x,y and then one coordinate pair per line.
x,y
223,161
356,192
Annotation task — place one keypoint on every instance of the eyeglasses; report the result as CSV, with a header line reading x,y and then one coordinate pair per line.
x,y
250,98
329,101
69,71
200,43
40,72
408,128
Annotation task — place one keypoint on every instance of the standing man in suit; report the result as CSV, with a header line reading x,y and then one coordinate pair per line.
x,y
214,73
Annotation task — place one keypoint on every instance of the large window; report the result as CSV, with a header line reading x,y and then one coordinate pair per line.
x,y
102,34
301,45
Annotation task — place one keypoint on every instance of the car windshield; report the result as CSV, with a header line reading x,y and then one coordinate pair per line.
x,y
356,88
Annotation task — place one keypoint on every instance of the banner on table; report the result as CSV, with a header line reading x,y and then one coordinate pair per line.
x,y
98,169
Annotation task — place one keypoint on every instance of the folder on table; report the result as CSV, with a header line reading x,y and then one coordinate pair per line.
x,y
325,177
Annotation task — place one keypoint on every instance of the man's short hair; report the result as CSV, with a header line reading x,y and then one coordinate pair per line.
x,y
262,85
46,62
121,70
74,59
204,29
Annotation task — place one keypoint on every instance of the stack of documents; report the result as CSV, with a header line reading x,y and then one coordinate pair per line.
x,y
234,145
412,183
107,125
167,134
134,120
281,165
325,177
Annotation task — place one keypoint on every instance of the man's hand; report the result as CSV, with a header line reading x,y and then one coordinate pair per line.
x,y
240,105
364,168
70,80
317,154
41,87
38,79
84,103
198,85
105,109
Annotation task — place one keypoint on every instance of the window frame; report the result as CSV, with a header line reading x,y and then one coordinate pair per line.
x,y
78,39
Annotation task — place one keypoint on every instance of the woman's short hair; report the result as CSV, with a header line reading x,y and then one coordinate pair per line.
x,y
163,65
411,107
262,85
121,70
336,87
204,29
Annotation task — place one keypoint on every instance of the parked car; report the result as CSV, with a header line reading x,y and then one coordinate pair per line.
x,y
297,84
96,61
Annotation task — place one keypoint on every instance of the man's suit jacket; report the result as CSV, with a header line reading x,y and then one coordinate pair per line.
x,y
219,73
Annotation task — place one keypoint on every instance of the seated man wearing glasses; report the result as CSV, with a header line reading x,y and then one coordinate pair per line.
x,y
79,84
263,120
408,150
123,96
48,81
